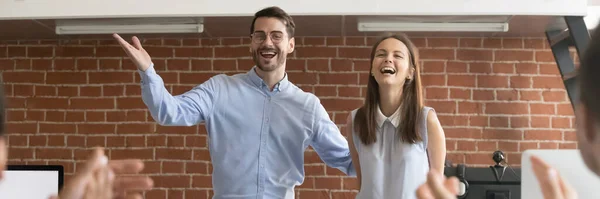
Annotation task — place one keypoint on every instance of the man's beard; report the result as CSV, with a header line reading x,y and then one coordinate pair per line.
x,y
271,64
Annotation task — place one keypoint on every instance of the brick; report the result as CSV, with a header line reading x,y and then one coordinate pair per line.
x,y
453,120
465,145
112,51
297,65
349,91
483,94
542,109
17,51
314,52
470,107
135,128
334,41
337,65
23,64
174,154
561,122
549,69
440,54
456,67
544,56
462,80
460,93
300,78
177,181
91,103
514,55
315,41
499,121
434,66
156,52
339,78
442,42
111,77
431,80
313,194
527,68
513,108
487,146
471,42
328,183
478,121
478,158
22,77
515,43
436,93
564,109
530,95
53,153
69,51
7,64
480,67
491,81
354,52
501,134
39,51
132,153
507,68
548,82
175,141
520,122
130,103
543,135
341,104
475,55
59,128
554,96
23,90
96,128
507,95
531,43
520,82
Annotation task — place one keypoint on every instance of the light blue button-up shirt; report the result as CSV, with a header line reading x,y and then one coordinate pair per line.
x,y
257,137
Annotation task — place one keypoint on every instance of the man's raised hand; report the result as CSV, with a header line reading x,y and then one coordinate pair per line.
x,y
136,52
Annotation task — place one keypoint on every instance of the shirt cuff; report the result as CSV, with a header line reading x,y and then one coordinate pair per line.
x,y
147,75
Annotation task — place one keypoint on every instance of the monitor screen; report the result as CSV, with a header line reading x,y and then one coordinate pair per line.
x,y
31,181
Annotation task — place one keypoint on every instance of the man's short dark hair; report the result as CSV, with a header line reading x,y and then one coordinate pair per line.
x,y
278,13
589,74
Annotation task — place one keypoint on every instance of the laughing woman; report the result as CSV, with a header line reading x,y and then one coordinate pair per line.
x,y
395,140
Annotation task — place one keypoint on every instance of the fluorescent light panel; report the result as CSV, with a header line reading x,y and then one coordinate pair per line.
x,y
132,26
375,26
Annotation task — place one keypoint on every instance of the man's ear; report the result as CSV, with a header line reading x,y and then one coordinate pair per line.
x,y
292,45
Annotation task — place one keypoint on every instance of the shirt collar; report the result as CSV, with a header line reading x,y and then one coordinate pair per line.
x,y
394,118
257,81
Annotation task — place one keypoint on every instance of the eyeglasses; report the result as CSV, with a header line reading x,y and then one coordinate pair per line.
x,y
259,37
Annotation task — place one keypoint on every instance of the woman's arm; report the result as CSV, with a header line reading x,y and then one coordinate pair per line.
x,y
436,143
353,152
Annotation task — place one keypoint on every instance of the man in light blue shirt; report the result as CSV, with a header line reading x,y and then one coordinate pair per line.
x,y
259,124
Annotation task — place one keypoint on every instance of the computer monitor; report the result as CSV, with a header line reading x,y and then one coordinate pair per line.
x,y
497,181
569,164
31,181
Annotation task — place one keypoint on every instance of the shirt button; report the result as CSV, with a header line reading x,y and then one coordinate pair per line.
x,y
262,166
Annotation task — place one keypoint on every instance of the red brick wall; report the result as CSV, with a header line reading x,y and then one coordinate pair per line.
x,y
67,96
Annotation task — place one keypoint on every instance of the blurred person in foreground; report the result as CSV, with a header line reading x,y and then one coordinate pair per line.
x,y
587,112
98,178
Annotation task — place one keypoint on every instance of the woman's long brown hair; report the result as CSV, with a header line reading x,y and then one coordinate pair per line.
x,y
411,105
